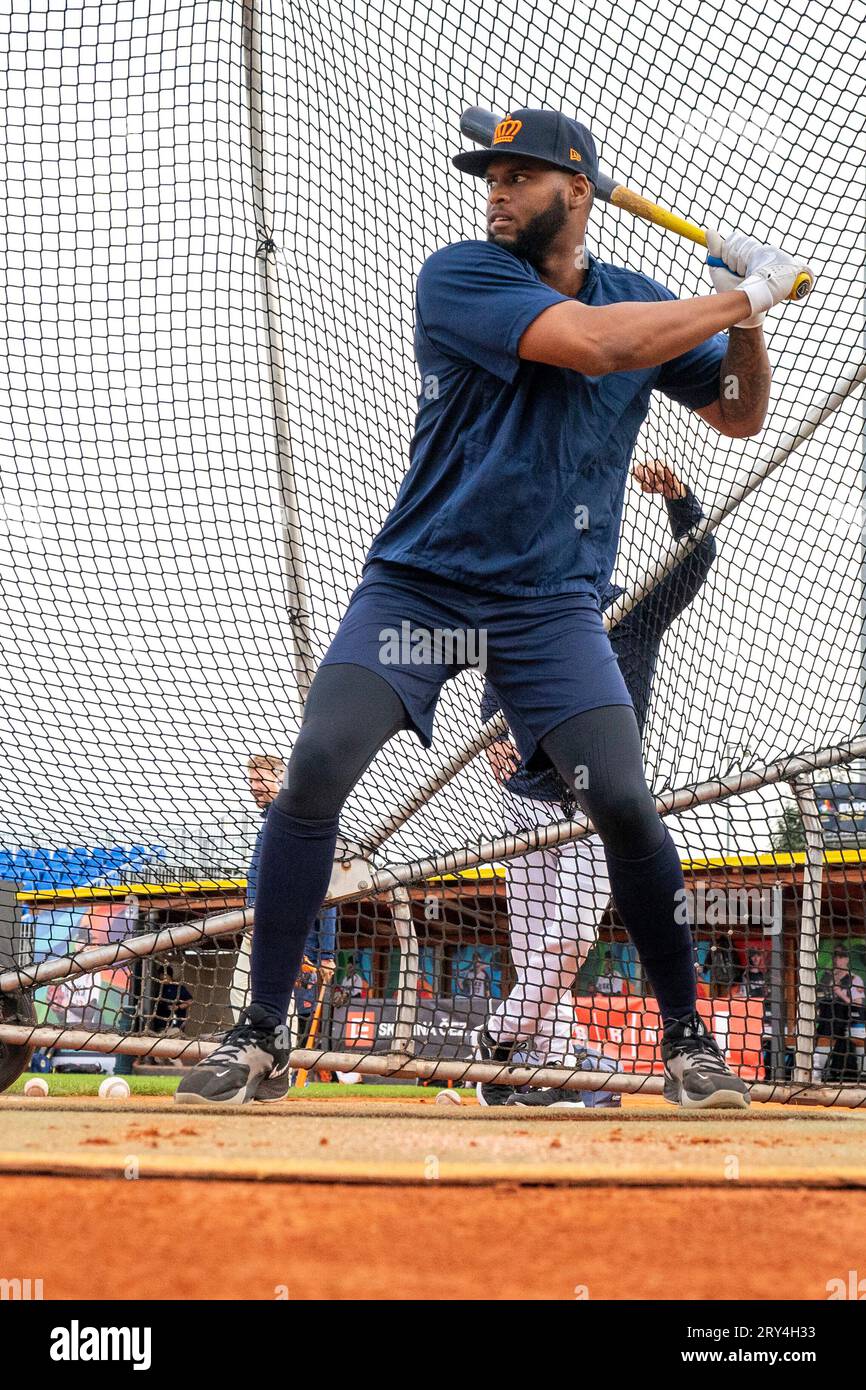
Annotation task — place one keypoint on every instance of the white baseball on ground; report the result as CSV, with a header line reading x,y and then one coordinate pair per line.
x,y
449,1098
36,1086
114,1088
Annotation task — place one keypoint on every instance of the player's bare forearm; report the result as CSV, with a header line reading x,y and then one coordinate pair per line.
x,y
744,385
628,336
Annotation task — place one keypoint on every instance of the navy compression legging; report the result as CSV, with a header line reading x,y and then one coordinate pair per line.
x,y
350,714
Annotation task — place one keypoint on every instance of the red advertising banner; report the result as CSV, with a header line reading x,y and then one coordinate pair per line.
x,y
624,1027
627,1029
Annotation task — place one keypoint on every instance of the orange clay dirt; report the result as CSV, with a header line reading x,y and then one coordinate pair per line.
x,y
182,1239
312,1200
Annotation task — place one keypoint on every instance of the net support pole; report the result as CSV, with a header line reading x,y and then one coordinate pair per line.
x,y
776,999
424,1069
670,802
846,385
407,986
810,930
267,261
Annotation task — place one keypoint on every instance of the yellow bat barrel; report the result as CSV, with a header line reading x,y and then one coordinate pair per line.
x,y
624,198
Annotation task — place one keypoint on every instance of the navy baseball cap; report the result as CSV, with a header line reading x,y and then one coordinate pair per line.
x,y
546,135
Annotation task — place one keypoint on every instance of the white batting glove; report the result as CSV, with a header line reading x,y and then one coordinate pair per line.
x,y
727,264
764,273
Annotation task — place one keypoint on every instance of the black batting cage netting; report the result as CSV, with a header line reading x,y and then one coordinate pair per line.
x,y
212,217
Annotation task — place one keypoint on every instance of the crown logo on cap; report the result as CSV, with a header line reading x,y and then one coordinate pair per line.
x,y
506,131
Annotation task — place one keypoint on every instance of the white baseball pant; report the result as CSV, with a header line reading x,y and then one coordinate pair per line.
x,y
556,898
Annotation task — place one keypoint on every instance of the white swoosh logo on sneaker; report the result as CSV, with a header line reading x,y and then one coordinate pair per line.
x,y
224,1072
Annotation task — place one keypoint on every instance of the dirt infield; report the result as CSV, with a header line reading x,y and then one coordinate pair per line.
x,y
193,1240
311,1200
318,1141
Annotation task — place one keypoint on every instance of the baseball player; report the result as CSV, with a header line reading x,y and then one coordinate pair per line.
x,y
557,896
537,363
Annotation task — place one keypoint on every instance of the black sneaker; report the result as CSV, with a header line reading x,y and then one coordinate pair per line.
x,y
276,1086
489,1050
551,1098
251,1051
696,1074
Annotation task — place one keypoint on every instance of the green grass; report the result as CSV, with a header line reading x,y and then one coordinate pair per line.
x,y
72,1084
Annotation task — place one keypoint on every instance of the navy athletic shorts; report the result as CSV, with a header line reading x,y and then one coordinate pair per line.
x,y
547,657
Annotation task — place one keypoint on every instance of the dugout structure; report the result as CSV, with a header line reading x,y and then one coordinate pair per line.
x,y
213,212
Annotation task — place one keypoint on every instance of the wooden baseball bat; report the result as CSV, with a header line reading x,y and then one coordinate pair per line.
x,y
309,1044
479,125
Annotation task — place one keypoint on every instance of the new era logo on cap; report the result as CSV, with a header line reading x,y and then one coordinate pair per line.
x,y
573,153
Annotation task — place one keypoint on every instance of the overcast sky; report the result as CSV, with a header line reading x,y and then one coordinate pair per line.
x,y
144,644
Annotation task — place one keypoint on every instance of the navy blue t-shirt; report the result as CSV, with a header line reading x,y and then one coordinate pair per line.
x,y
506,451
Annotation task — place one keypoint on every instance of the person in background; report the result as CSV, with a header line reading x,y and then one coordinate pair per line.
x,y
171,1000
170,1003
266,773
720,964
76,1003
320,950
842,996
354,983
317,969
753,983
476,981
305,995
609,981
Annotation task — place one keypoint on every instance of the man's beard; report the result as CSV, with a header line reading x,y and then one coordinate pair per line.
x,y
535,240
